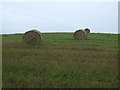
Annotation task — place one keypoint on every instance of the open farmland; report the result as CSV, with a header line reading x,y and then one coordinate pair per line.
x,y
61,62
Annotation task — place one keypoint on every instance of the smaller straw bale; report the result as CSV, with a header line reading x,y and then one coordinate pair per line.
x,y
80,34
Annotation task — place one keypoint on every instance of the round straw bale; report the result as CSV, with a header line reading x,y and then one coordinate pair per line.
x,y
80,34
32,37
87,30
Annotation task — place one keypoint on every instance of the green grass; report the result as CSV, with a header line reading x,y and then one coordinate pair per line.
x,y
61,62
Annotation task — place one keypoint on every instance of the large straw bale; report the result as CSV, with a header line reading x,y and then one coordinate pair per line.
x,y
32,37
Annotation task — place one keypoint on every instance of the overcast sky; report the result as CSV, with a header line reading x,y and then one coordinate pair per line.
x,y
100,17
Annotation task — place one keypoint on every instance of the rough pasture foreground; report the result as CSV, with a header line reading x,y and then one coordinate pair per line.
x,y
61,62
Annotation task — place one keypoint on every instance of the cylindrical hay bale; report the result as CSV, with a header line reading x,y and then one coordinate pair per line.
x,y
87,30
32,37
80,34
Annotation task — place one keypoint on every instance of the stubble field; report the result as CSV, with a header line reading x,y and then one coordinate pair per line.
x,y
60,62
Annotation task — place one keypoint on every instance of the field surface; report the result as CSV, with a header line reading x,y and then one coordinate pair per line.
x,y
60,62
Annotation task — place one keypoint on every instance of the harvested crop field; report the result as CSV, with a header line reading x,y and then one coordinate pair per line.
x,y
61,61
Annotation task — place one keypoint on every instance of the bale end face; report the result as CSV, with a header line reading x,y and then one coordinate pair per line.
x,y
87,30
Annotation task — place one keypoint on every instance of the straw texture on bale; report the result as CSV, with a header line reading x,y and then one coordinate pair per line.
x,y
80,34
87,30
32,37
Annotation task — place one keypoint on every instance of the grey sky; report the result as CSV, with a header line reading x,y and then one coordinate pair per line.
x,y
100,17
